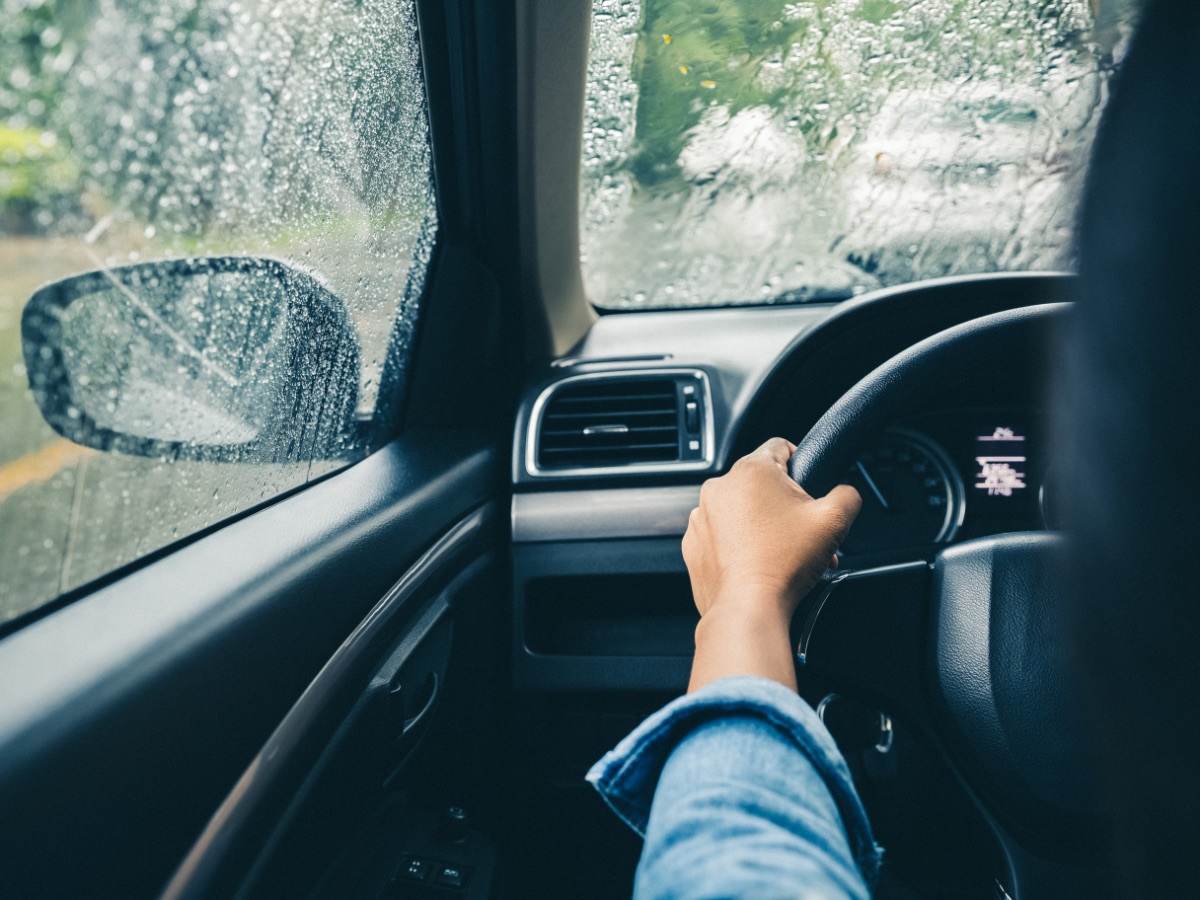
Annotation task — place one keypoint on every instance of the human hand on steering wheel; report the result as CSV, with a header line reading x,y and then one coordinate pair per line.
x,y
755,545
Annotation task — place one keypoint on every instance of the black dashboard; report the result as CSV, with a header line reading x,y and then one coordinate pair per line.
x,y
614,440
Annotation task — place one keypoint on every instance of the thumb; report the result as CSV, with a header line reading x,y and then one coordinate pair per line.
x,y
841,505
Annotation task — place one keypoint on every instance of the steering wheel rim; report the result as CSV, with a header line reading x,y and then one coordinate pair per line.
x,y
911,382
990,604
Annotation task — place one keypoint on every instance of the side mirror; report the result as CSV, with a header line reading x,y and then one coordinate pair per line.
x,y
215,358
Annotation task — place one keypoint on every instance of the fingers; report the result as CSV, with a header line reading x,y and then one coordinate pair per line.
x,y
689,536
778,450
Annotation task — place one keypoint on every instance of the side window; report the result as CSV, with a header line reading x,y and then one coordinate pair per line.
x,y
223,211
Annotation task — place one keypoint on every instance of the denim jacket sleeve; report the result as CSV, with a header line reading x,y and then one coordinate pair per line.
x,y
739,790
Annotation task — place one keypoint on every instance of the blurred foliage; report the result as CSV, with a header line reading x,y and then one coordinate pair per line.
x,y
689,56
66,65
40,177
799,57
36,175
210,116
34,165
39,47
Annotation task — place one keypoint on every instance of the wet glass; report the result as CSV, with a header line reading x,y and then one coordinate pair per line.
x,y
136,371
141,130
760,151
197,359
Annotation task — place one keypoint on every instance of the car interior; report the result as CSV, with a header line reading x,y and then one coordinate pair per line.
x,y
388,676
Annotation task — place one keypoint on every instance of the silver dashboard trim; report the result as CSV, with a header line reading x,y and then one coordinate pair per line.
x,y
600,514
539,406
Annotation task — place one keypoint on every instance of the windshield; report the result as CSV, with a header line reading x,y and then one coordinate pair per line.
x,y
752,151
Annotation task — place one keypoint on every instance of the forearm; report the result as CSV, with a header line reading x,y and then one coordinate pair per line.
x,y
746,638
741,812
750,797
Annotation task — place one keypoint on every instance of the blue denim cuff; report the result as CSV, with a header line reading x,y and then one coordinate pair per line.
x,y
626,777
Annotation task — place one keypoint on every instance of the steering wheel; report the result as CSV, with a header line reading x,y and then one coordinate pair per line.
x,y
970,647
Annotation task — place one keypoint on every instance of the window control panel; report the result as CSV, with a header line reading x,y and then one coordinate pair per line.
x,y
414,852
416,869
442,856
451,876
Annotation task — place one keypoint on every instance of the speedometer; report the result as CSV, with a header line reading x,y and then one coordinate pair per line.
x,y
912,495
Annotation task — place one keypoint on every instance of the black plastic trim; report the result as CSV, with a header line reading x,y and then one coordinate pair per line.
x,y
254,807
553,672
125,718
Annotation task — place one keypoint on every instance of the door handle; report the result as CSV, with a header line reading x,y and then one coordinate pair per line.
x,y
430,689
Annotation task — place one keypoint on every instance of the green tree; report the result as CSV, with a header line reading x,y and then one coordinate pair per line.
x,y
819,62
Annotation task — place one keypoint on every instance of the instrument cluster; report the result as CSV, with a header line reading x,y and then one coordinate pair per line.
x,y
946,477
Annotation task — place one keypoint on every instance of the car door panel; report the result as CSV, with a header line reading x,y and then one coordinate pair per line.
x,y
126,718
346,746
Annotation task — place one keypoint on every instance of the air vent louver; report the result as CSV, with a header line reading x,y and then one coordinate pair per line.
x,y
619,421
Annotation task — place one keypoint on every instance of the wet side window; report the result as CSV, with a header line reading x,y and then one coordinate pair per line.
x,y
215,221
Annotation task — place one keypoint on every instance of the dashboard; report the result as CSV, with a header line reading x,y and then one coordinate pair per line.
x,y
949,476
614,440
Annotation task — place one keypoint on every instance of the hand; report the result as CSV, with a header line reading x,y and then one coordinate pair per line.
x,y
755,545
757,536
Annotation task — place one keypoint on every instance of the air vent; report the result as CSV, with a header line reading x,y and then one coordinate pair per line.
x,y
613,421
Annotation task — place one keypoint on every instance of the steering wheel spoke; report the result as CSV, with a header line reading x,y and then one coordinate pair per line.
x,y
882,663
1028,876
